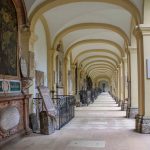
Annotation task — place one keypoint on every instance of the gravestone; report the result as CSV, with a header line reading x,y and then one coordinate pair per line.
x,y
33,122
46,124
9,118
48,117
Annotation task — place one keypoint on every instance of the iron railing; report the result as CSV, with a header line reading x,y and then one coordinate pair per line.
x,y
65,109
88,96
64,105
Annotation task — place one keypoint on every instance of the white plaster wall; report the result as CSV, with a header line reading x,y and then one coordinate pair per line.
x,y
146,44
40,56
146,11
134,79
40,49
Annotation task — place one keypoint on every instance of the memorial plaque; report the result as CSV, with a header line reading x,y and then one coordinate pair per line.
x,y
10,86
148,68
9,118
45,94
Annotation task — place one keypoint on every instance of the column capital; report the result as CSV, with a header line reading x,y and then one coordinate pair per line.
x,y
142,29
118,67
73,66
137,32
145,29
80,68
124,59
132,49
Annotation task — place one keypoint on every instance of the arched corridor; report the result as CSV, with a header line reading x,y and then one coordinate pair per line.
x,y
75,70
101,125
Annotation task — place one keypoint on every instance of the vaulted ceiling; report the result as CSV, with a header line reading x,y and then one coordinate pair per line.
x,y
95,32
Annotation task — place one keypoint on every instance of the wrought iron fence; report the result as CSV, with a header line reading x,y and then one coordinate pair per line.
x,y
88,96
65,109
64,105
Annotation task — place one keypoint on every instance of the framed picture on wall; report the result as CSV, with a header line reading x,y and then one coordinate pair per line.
x,y
9,58
39,78
148,68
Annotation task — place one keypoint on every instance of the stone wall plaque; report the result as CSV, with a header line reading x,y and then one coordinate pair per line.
x,y
9,118
48,103
148,68
10,86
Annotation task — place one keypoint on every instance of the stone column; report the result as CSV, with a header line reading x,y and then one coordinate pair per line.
x,y
141,84
125,77
115,85
133,106
82,79
50,71
129,81
24,37
79,71
119,86
143,117
125,85
78,87
122,84
65,76
112,86
73,67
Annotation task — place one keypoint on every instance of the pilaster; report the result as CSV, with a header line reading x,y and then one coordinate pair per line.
x,y
73,67
50,69
125,85
142,34
65,76
24,41
132,109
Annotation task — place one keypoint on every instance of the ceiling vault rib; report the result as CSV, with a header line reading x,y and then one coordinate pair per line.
x,y
83,26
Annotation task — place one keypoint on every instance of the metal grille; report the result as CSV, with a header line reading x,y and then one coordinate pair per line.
x,y
65,108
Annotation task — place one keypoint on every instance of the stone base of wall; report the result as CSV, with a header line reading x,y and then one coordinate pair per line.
x,y
13,128
143,124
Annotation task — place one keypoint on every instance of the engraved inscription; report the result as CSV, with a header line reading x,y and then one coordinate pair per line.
x,y
9,118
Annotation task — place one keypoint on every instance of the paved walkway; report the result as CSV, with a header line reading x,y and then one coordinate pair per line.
x,y
100,126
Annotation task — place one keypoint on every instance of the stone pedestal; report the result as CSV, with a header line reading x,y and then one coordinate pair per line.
x,y
116,100
46,124
131,112
143,124
119,103
138,123
124,106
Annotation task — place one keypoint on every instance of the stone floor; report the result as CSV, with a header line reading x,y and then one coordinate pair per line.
x,y
101,125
